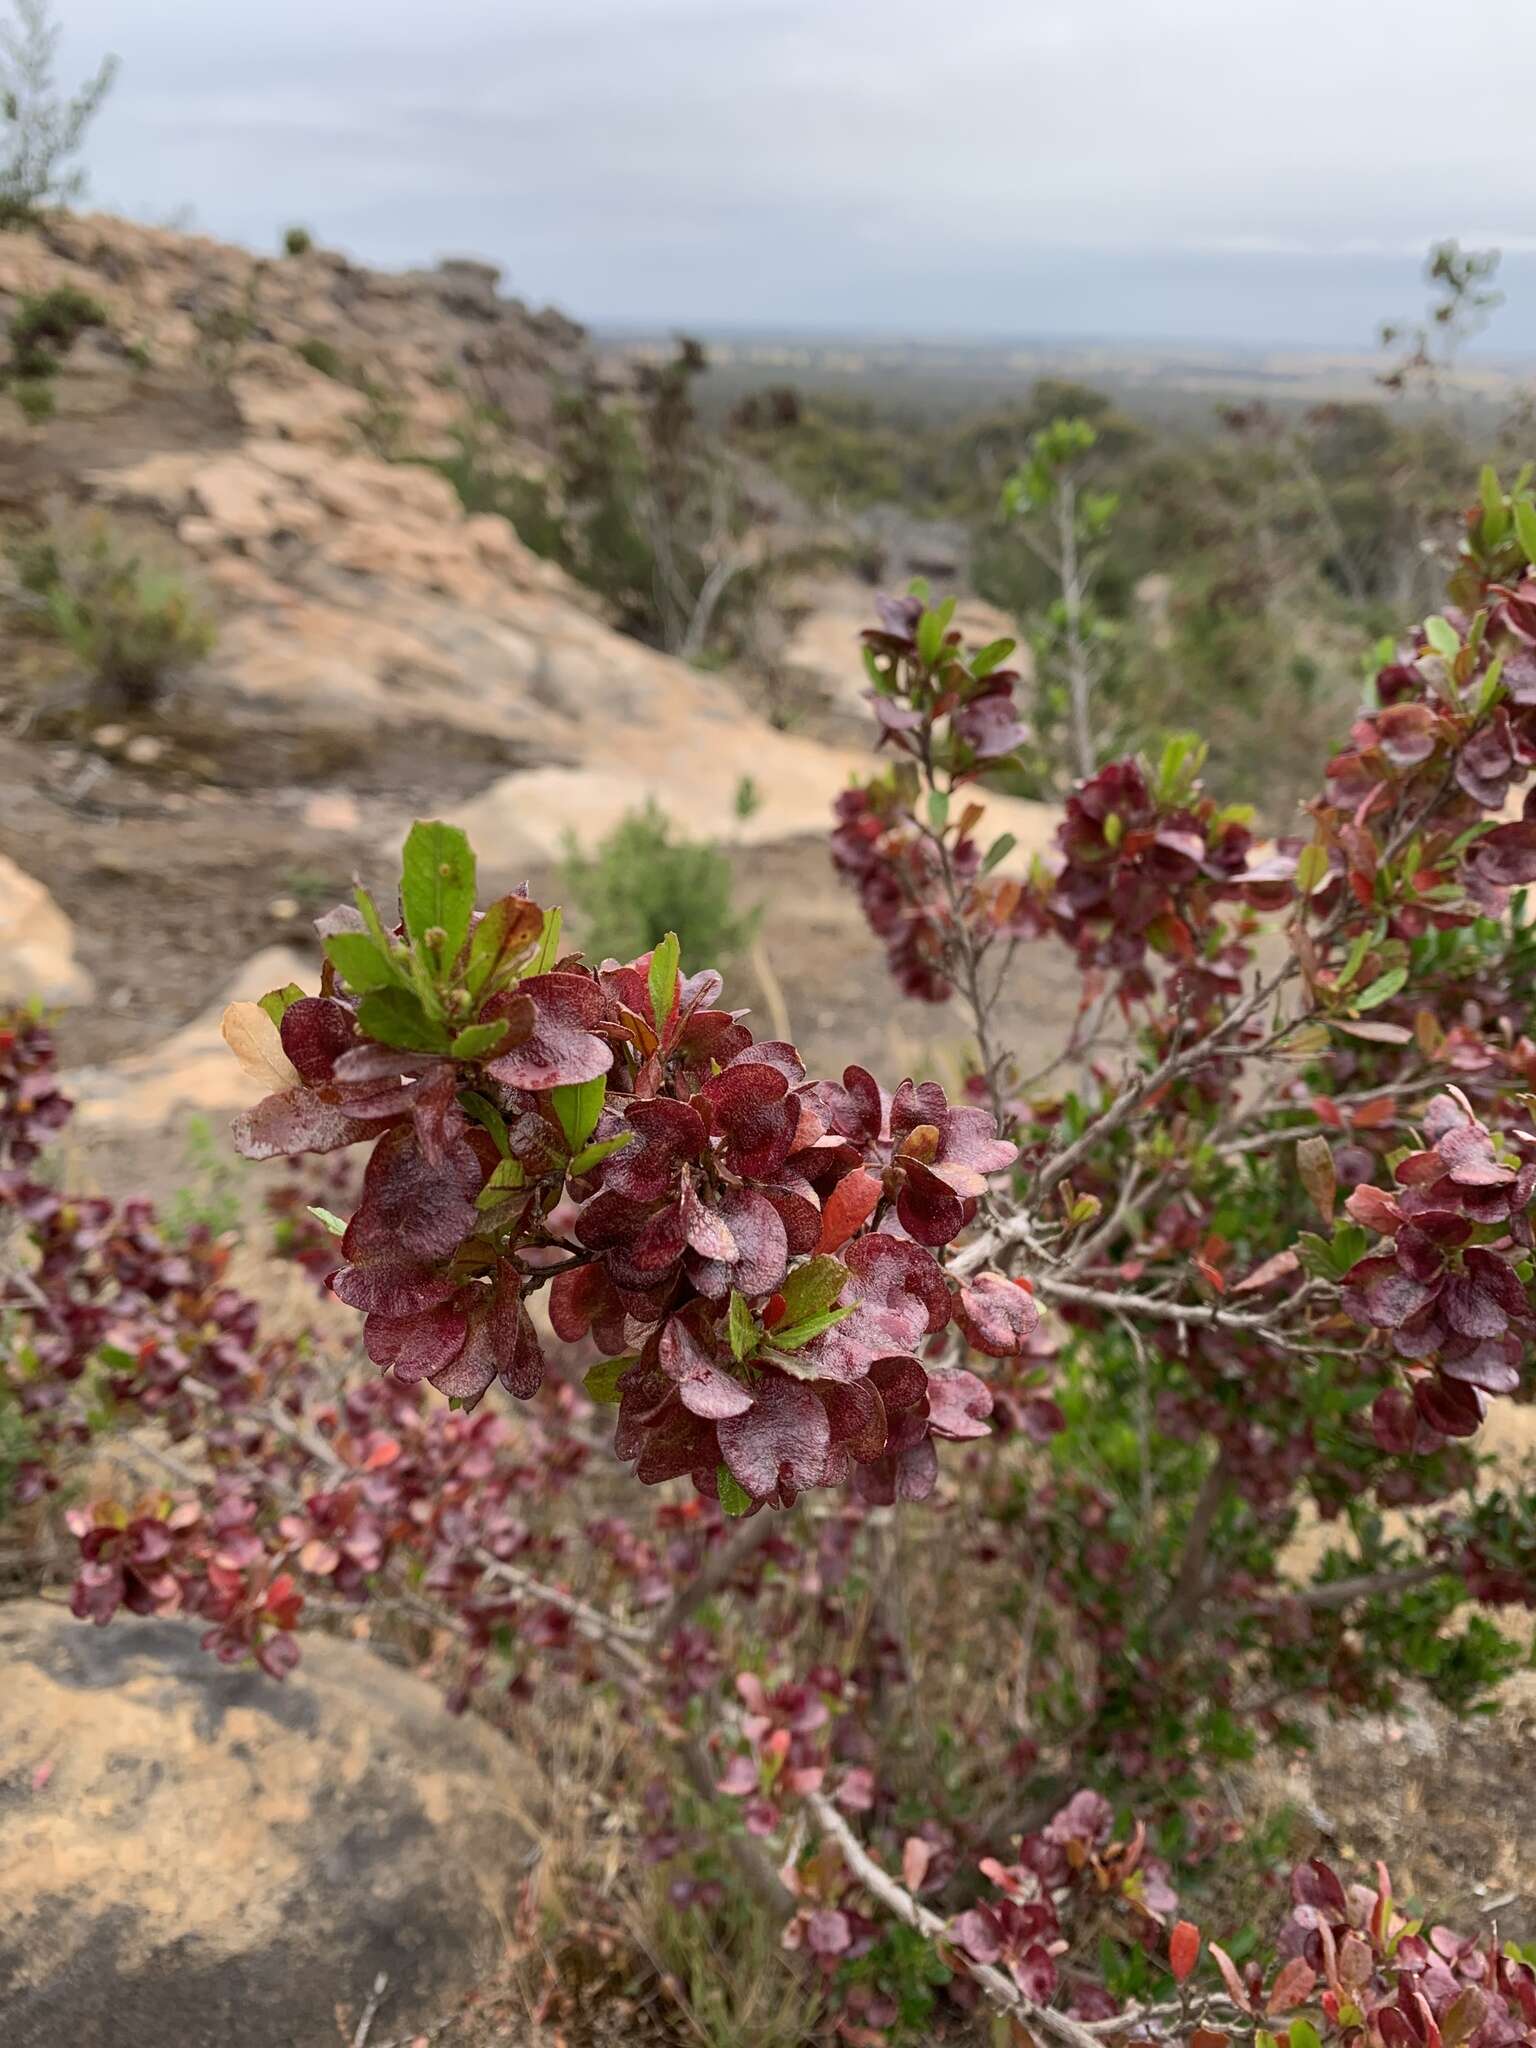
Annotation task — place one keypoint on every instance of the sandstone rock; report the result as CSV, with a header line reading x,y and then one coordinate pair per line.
x,y
522,820
193,1070
204,1856
236,494
314,409
825,644
331,810
37,944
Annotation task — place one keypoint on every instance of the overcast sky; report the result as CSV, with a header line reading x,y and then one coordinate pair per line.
x,y
1247,170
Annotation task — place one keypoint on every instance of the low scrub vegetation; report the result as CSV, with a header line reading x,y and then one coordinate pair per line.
x,y
1094,1344
133,624
41,130
644,880
43,330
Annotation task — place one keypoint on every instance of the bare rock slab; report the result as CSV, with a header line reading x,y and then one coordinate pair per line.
x,y
37,944
200,1855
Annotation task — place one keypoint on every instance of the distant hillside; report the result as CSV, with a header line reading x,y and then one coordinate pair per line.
x,y
947,379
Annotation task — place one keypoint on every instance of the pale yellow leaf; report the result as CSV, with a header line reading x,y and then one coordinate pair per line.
x,y
257,1044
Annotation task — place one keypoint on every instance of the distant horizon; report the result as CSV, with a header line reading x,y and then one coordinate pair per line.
x,y
1267,176
1481,348
1493,346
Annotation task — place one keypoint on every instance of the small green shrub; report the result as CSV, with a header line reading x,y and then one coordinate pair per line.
x,y
225,329
132,624
297,241
323,356
46,326
35,397
641,882
523,501
208,1199
15,1447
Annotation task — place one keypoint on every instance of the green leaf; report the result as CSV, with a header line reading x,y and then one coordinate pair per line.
x,y
594,1155
437,888
1316,1255
1182,758
813,1287
602,1381
1351,1242
506,932
734,1498
357,958
743,1329
333,1223
476,1040
549,943
998,851
394,1016
930,638
506,1180
992,656
663,980
938,810
279,1001
489,1117
1355,958
577,1106
1525,528
1312,867
1442,637
1382,989
368,910
1487,696
1303,2034
797,1337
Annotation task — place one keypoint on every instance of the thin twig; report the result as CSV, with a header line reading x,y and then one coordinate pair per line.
x,y
716,1572
1190,1586
1344,1592
898,1901
370,2011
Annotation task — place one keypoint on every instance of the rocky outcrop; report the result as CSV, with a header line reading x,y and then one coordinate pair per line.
x,y
37,944
416,336
193,1068
691,767
204,1856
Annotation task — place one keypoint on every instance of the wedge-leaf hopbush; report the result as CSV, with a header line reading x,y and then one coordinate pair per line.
x,y
1255,1251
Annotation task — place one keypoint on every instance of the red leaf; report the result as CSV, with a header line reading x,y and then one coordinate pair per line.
x,y
561,1048
781,1441
703,1384
1237,1990
849,1206
1292,1987
1279,1267
1183,1950
997,1316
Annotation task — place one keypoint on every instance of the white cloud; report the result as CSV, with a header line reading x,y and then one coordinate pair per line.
x,y
846,159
